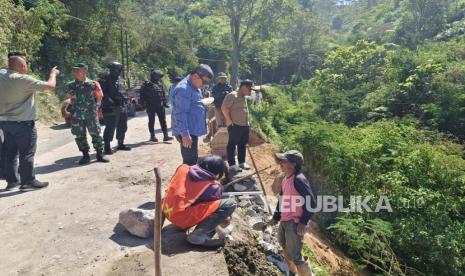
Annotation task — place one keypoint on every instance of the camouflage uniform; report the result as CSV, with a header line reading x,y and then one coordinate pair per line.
x,y
84,114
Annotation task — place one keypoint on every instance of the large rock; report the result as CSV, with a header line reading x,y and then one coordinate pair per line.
x,y
138,222
219,142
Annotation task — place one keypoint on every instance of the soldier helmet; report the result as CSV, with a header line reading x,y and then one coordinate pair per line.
x,y
157,74
115,65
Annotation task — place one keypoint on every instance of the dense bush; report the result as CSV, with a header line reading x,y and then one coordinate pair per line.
x,y
419,170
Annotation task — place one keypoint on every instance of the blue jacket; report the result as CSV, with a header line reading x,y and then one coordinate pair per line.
x,y
170,92
189,114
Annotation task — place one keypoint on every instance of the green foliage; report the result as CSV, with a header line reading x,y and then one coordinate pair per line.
x,y
419,170
318,268
348,75
421,19
368,241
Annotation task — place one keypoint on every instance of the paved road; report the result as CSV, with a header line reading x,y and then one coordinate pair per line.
x,y
71,227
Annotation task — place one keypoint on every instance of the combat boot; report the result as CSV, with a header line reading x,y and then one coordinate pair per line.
x,y
108,150
85,158
166,137
153,139
100,157
122,146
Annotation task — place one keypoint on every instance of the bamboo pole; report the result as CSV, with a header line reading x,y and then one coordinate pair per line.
x,y
259,180
243,178
158,223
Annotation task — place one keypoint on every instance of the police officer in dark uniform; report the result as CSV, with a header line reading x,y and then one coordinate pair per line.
x,y
114,107
153,97
219,91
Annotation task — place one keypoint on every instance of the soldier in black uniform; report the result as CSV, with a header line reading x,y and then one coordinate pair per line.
x,y
153,97
114,107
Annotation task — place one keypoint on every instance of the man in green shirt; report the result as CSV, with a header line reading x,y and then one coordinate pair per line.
x,y
17,120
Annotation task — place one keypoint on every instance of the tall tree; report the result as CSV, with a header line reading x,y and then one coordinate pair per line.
x,y
303,41
243,16
422,19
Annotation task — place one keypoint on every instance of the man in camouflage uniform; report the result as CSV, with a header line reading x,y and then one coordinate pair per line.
x,y
86,96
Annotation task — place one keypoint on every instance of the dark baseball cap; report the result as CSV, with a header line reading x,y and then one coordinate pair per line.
x,y
293,156
248,83
16,54
80,66
203,70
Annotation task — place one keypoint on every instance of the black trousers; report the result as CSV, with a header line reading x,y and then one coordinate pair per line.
x,y
2,158
238,138
159,111
190,156
20,139
116,120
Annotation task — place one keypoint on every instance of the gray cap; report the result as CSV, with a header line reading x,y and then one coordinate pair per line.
x,y
293,156
222,75
203,70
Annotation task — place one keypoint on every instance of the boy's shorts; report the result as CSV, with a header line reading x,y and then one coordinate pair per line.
x,y
290,241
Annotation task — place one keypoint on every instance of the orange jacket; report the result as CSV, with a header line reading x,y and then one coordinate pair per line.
x,y
181,193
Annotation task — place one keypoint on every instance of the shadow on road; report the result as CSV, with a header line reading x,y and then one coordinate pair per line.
x,y
60,127
173,241
8,193
62,164
124,238
173,238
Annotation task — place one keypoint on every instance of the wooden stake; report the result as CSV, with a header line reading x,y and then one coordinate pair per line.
x,y
259,180
158,222
243,178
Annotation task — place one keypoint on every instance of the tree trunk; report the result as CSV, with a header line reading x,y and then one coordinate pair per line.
x,y
235,23
300,63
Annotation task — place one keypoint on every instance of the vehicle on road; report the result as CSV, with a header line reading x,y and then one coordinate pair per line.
x,y
134,104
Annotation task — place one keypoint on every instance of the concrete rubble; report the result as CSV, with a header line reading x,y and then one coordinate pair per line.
x,y
251,210
138,222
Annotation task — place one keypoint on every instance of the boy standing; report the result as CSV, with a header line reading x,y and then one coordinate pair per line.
x,y
292,213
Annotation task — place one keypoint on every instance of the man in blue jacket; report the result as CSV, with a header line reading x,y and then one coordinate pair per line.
x,y
189,114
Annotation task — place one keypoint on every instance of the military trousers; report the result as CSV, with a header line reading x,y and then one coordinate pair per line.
x,y
79,127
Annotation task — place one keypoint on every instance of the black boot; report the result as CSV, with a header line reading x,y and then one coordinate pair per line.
x,y
167,137
108,150
153,139
100,157
122,146
85,158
